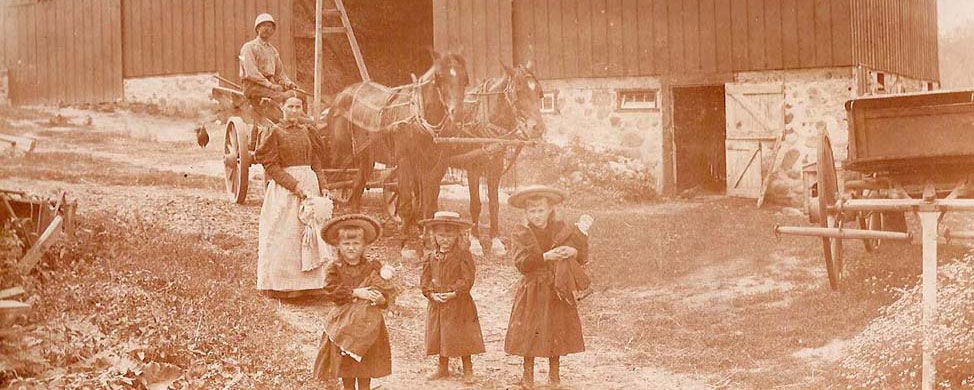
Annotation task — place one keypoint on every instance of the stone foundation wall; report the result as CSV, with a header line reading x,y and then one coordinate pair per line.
x,y
177,95
586,109
4,88
814,102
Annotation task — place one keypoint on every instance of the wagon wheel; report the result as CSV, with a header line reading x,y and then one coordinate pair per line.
x,y
828,193
872,220
236,160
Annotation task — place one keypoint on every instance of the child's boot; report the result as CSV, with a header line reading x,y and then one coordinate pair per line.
x,y
442,370
527,380
467,369
554,376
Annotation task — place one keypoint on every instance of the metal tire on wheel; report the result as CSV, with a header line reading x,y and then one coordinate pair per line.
x,y
236,159
828,194
872,220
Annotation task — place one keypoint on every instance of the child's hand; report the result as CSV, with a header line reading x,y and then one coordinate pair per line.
x,y
438,297
567,252
448,296
584,223
366,294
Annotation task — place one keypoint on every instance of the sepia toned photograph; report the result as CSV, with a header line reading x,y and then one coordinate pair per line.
x,y
487,194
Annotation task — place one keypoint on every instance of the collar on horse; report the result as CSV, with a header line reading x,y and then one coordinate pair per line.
x,y
483,115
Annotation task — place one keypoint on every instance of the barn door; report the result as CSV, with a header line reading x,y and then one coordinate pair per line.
x,y
755,118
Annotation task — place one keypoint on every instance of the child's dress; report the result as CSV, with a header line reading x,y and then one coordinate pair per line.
x,y
355,342
453,327
543,323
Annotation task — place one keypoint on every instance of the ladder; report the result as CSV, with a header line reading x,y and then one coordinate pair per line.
x,y
346,29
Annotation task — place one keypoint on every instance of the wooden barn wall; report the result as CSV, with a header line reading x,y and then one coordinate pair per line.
x,y
62,50
897,36
610,38
192,36
481,28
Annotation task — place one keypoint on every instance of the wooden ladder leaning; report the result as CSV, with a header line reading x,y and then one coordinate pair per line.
x,y
346,29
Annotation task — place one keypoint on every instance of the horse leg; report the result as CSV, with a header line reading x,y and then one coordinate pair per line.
x,y
493,205
473,186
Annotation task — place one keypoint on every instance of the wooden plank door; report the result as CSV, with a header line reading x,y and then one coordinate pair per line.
x,y
755,117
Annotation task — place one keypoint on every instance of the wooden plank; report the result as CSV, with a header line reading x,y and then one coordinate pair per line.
x,y
177,10
118,79
585,19
708,37
522,30
477,43
32,75
772,31
542,41
739,33
50,236
691,35
644,22
755,35
209,36
88,41
11,292
46,50
569,31
3,43
630,37
661,35
724,33
190,16
128,35
101,59
466,35
614,38
823,33
677,43
453,20
439,25
555,52
600,43
789,34
492,39
506,31
806,33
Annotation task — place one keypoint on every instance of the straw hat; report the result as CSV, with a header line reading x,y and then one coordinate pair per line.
x,y
372,228
446,218
554,195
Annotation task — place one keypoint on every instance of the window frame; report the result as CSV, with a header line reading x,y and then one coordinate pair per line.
x,y
553,96
621,100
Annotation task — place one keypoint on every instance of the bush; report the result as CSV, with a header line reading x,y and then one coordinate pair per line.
x,y
888,352
605,173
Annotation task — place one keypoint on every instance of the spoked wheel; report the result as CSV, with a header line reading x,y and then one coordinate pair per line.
x,y
872,220
828,194
236,160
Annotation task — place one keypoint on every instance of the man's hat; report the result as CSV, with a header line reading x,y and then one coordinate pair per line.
x,y
446,218
554,195
372,228
263,18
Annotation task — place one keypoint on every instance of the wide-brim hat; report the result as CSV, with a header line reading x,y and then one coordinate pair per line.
x,y
554,195
450,218
372,227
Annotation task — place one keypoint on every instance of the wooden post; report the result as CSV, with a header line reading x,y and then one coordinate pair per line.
x,y
316,104
929,221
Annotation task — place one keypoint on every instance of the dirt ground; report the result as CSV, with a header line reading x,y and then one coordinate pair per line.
x,y
690,293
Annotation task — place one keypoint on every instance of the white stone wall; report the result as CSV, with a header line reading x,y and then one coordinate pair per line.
x,y
178,95
586,109
4,88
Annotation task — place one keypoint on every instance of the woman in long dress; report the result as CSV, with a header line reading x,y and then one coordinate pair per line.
x,y
290,253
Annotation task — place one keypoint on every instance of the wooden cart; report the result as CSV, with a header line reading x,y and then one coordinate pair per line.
x,y
912,153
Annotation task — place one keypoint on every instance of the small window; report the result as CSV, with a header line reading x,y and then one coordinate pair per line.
x,y
881,81
638,100
548,102
931,86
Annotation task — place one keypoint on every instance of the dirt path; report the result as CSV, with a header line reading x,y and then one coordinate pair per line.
x,y
233,228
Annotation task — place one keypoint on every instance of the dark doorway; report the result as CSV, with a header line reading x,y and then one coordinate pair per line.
x,y
698,120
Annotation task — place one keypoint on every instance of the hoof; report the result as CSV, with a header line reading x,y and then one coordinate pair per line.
x,y
497,248
475,247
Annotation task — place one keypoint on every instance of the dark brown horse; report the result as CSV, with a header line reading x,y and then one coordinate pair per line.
x,y
395,126
506,107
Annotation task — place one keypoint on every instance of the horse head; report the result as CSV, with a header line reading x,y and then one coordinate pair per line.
x,y
524,96
450,80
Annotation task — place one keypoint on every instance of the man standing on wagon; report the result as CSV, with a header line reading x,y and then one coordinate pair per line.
x,y
261,69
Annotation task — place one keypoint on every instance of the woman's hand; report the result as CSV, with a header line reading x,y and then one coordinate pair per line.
x,y
367,294
301,194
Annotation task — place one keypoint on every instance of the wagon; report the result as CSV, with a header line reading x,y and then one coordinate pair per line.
x,y
907,153
241,131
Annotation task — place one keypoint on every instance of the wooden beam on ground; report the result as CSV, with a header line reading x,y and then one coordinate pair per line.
x,y
26,144
11,292
11,308
767,176
51,235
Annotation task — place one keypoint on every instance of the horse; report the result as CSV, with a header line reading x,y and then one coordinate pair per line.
x,y
506,107
372,123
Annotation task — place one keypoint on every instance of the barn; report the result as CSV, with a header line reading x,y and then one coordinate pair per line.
x,y
701,91
166,52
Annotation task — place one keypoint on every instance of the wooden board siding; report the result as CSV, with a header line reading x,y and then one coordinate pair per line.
x,y
62,50
195,36
719,36
483,29
895,36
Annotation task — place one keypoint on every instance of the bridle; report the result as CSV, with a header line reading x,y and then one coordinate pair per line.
x,y
481,99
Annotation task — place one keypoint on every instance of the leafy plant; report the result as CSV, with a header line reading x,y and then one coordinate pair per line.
x,y
604,173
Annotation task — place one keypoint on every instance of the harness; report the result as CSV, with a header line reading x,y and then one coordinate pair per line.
x,y
481,125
